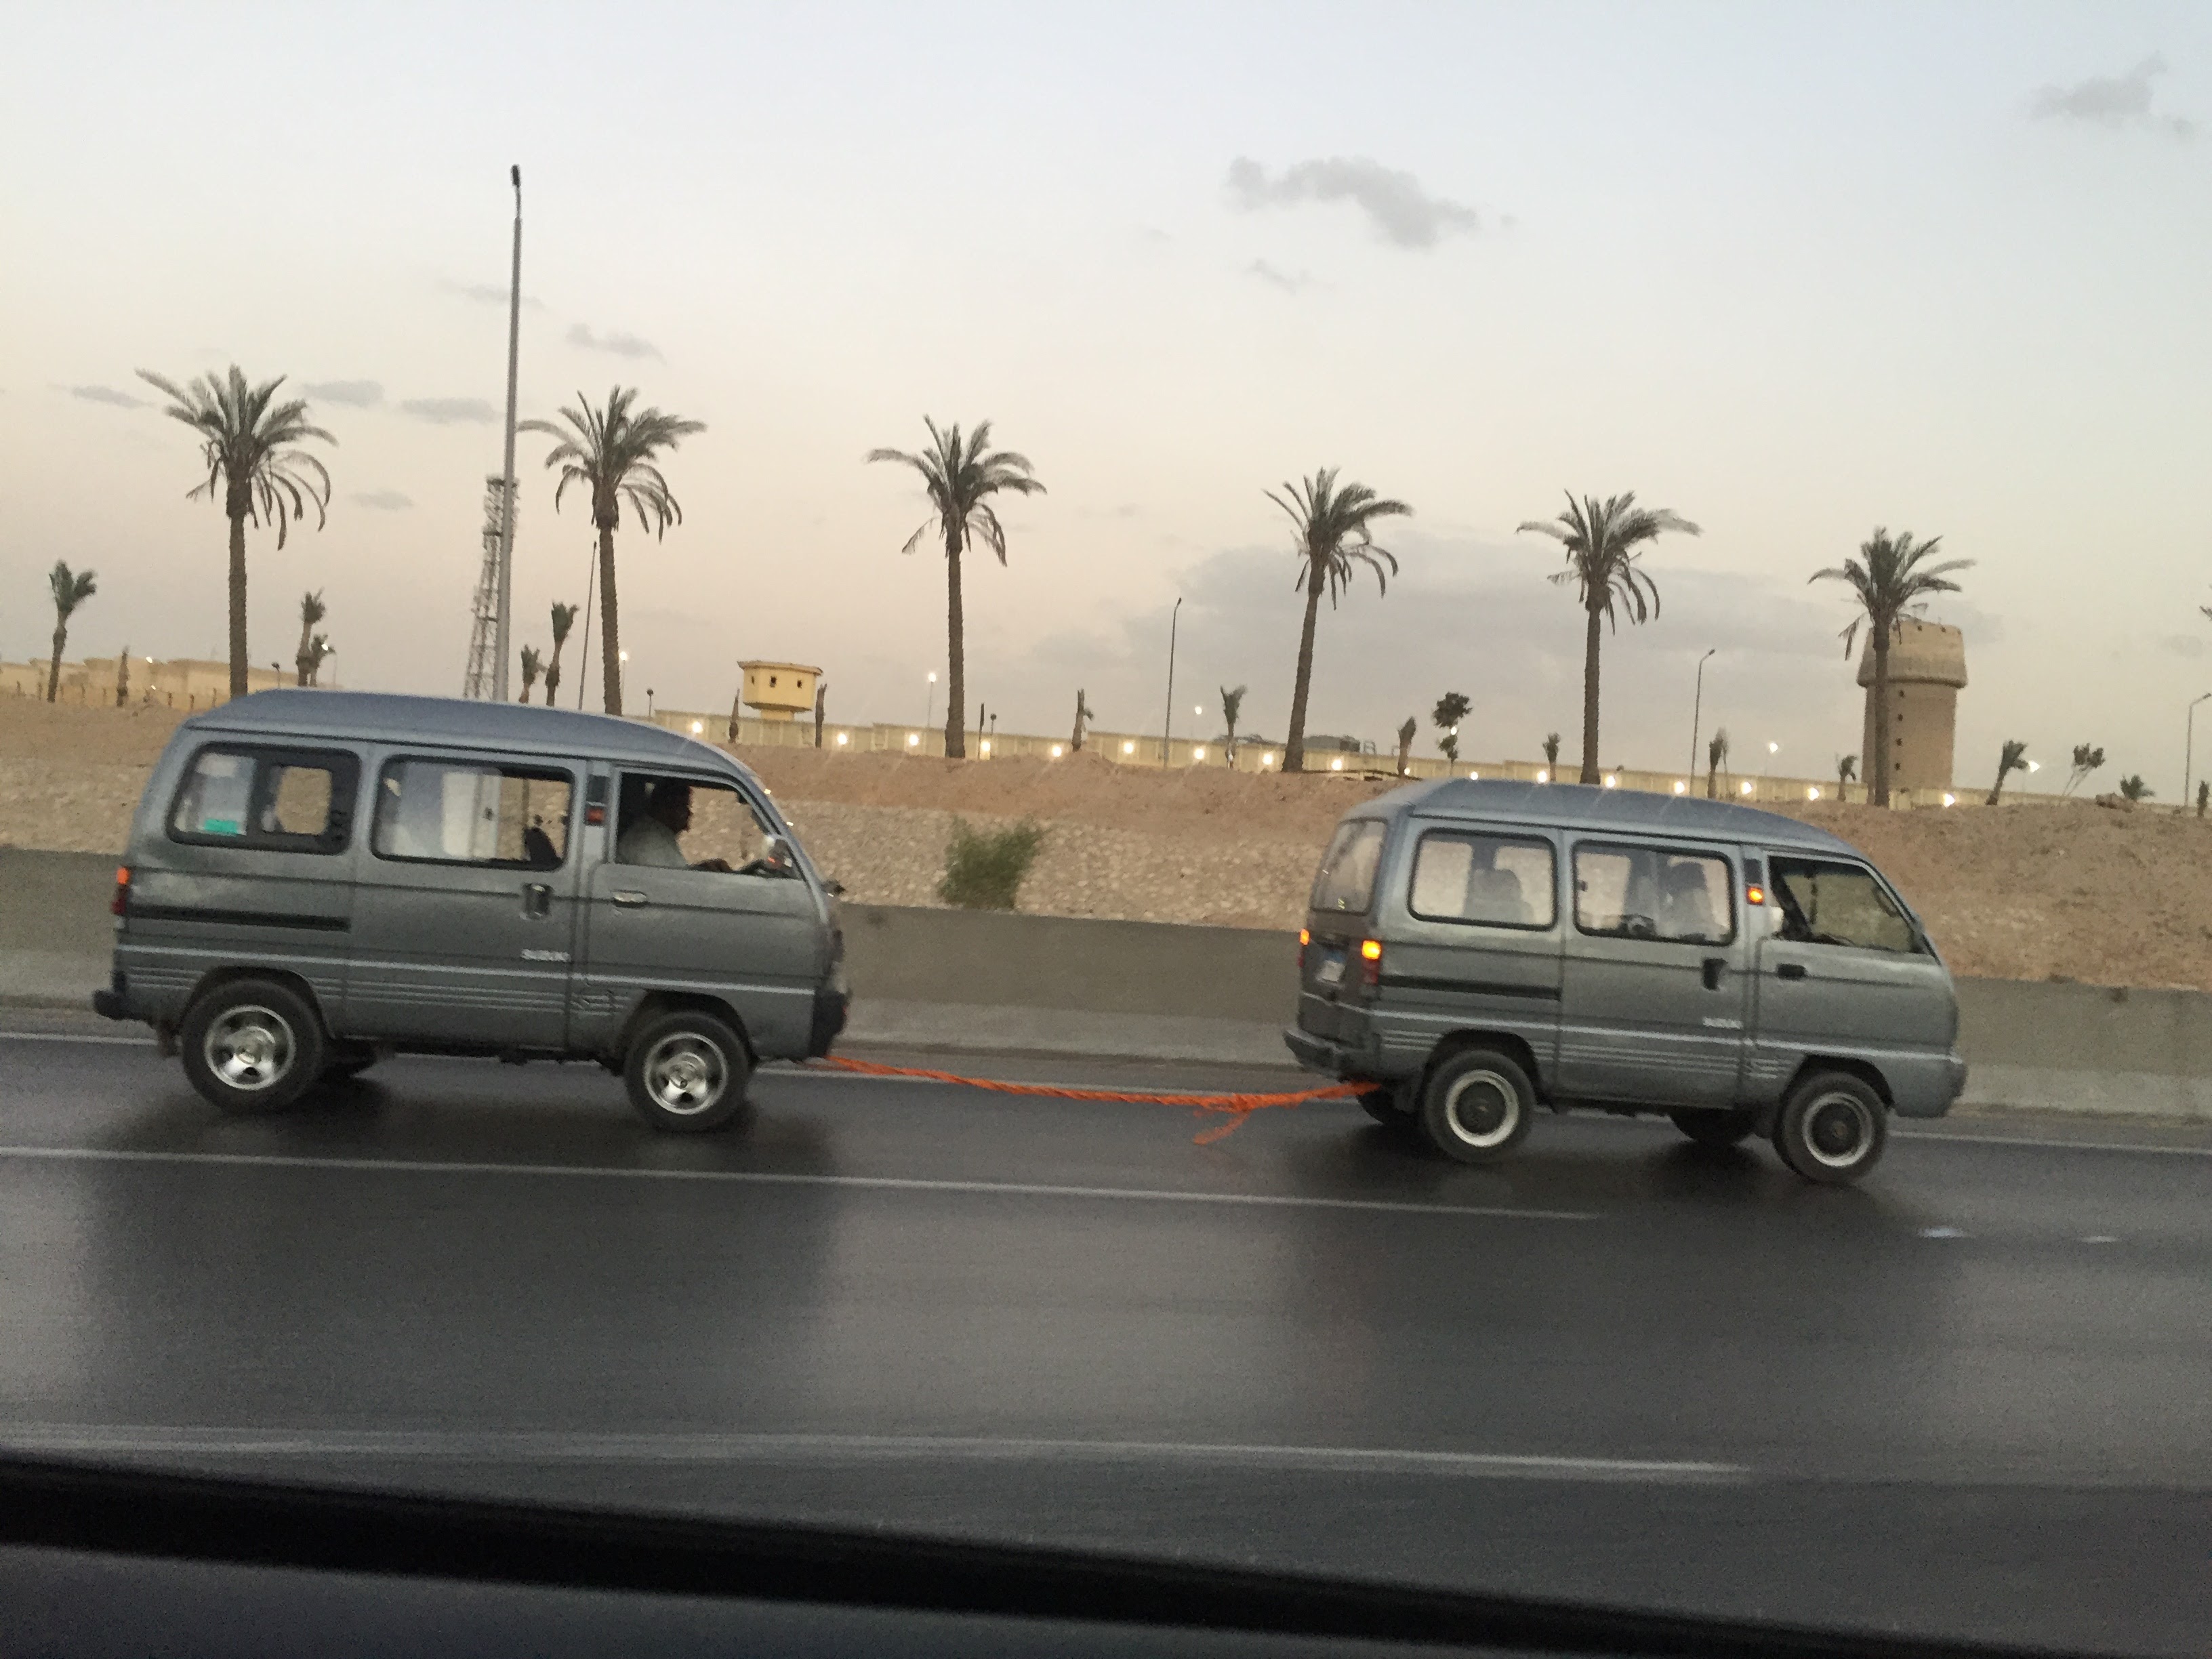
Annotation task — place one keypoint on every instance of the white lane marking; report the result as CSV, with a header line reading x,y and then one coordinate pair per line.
x,y
777,1178
2054,1143
557,1446
104,1038
1940,1232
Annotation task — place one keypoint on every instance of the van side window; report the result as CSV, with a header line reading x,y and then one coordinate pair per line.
x,y
1825,902
677,823
472,813
1655,893
1495,880
288,800
1346,881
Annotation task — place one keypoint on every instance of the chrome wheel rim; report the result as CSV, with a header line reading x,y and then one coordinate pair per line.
x,y
249,1048
685,1075
1838,1130
1482,1109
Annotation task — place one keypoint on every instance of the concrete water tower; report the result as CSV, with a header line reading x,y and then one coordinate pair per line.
x,y
1927,671
778,690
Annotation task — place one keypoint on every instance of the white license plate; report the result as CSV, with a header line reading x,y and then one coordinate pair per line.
x,y
1332,970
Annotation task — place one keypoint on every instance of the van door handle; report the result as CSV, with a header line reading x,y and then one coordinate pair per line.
x,y
1715,966
536,899
1790,971
629,898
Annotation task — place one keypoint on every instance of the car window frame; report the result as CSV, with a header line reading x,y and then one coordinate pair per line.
x,y
544,771
1350,827
344,766
1441,831
1730,857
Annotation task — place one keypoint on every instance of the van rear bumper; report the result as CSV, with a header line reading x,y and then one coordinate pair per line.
x,y
1332,1058
831,1003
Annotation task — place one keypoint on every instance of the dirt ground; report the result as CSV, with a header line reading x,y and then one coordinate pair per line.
x,y
2032,891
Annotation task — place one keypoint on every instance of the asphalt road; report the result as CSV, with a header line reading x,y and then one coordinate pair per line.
x,y
1973,1397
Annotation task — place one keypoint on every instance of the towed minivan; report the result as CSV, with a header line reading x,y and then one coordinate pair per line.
x,y
318,878
1478,949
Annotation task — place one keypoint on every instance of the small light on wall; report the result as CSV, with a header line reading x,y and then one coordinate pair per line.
x,y
1199,753
1055,751
914,740
1814,793
1745,787
1267,759
1336,765
1128,748
697,727
987,746
1473,777
1542,775
1680,788
1950,800
1611,781
843,738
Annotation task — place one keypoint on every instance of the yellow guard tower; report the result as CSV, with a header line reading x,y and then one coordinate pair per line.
x,y
779,690
1927,669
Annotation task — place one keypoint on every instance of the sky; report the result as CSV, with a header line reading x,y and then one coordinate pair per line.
x,y
1796,271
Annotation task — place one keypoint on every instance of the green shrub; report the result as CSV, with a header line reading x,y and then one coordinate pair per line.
x,y
984,869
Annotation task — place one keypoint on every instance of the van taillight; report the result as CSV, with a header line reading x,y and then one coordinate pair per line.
x,y
120,904
1370,958
1305,937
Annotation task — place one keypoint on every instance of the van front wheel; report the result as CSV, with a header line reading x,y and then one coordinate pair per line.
x,y
251,1046
1477,1106
1833,1128
687,1072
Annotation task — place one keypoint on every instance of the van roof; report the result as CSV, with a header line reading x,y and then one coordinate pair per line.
x,y
384,716
1583,806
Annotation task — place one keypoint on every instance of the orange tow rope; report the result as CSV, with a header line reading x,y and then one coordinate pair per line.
x,y
1235,1108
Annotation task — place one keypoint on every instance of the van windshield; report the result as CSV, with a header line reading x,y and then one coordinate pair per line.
x,y
1346,881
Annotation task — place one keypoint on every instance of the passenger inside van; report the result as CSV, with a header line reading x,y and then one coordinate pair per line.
x,y
1686,910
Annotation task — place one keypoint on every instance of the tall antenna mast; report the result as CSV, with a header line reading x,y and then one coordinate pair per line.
x,y
502,643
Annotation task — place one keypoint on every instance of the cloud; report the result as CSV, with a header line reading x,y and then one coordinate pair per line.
x,y
2115,101
105,394
622,345
1281,279
489,294
383,500
354,394
1400,212
2182,645
449,411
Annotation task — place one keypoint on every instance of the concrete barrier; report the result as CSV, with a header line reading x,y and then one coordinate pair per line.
x,y
978,981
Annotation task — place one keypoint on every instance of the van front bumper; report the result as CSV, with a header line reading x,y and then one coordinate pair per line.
x,y
831,1003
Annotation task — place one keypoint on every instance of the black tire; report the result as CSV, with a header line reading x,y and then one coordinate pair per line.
x,y
1387,1106
251,1046
1476,1105
687,1072
1833,1128
1730,1127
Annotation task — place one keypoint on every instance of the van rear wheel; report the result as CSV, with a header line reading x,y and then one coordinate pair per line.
x,y
1725,1127
1476,1105
687,1072
1833,1128
1387,1105
251,1046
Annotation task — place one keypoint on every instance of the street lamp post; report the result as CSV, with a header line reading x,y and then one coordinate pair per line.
x,y
1698,713
622,673
928,698
502,627
2189,753
1167,720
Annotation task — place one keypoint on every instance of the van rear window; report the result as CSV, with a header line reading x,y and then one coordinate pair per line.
x,y
1346,881
288,800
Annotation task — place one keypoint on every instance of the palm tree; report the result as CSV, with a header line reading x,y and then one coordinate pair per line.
x,y
246,442
564,618
2013,759
1552,756
1717,754
1847,768
312,611
1602,540
1451,709
1335,535
1891,583
1406,742
531,666
612,452
70,589
1082,712
2088,758
318,648
2132,787
959,477
122,679
1232,705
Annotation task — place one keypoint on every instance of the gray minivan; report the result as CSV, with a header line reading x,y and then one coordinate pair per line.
x,y
1478,948
317,878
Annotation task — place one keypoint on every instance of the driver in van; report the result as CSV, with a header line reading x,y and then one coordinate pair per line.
x,y
650,838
